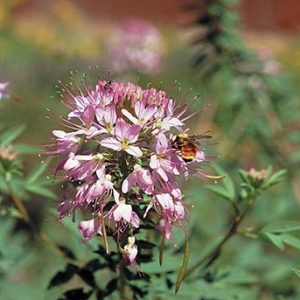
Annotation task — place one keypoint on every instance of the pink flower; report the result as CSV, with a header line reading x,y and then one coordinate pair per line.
x,y
65,207
126,135
136,45
143,113
166,228
171,212
162,161
140,177
90,228
130,251
118,150
107,117
82,166
123,212
3,90
67,142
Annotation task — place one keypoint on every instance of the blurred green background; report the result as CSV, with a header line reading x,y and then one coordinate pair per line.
x,y
251,87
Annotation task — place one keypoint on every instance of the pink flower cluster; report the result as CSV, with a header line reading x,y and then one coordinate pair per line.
x,y
121,158
136,45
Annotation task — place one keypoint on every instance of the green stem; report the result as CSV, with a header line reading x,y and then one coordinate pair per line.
x,y
239,217
18,203
122,282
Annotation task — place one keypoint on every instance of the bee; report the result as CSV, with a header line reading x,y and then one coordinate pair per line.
x,y
107,85
188,145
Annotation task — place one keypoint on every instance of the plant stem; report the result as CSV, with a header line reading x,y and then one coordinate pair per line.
x,y
122,282
239,217
18,203
104,235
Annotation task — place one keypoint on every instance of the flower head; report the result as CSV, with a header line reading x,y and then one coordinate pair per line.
x,y
136,45
257,177
120,155
7,153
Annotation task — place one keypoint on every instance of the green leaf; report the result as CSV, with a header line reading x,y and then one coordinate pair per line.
x,y
281,239
274,239
184,265
244,176
281,226
236,275
297,272
26,149
276,177
37,172
11,134
224,188
291,240
62,277
40,190
220,191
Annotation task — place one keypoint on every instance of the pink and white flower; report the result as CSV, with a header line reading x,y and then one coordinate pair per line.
x,y
140,177
163,160
90,228
123,212
143,113
130,251
119,155
125,136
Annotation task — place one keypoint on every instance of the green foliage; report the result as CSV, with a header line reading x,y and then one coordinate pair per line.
x,y
278,234
224,188
9,136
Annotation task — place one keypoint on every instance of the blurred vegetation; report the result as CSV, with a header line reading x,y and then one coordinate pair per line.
x,y
254,116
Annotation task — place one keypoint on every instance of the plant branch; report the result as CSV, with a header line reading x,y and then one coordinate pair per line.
x,y
239,217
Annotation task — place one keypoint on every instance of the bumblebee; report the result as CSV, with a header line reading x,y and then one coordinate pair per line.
x,y
188,145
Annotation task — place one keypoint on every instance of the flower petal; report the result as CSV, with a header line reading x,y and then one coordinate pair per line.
x,y
161,143
154,162
133,133
121,129
111,143
134,150
129,116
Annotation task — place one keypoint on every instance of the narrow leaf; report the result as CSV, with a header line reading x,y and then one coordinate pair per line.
x,y
220,191
281,226
277,177
297,272
37,172
225,188
41,191
291,240
184,265
10,135
274,239
26,149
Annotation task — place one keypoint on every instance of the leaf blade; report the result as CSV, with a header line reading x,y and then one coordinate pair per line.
x,y
183,268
